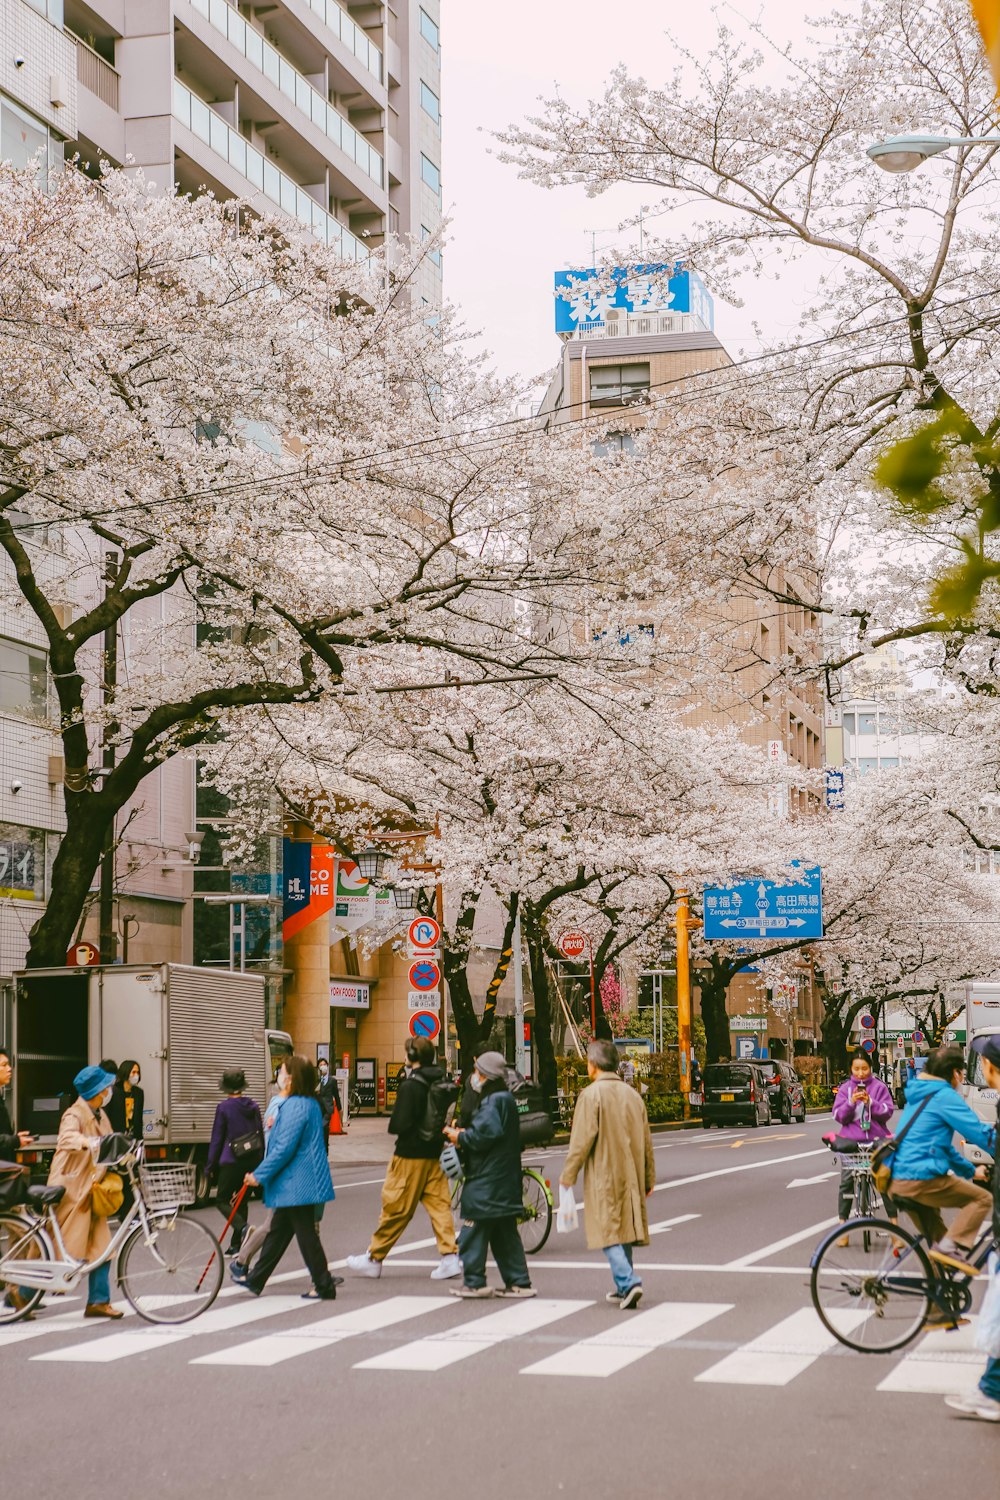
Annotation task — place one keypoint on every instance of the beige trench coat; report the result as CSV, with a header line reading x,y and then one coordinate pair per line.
x,y
85,1234
610,1140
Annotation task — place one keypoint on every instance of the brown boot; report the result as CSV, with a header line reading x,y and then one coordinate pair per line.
x,y
102,1310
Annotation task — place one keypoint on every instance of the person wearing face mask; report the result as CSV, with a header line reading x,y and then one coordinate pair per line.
x,y
85,1234
127,1100
328,1095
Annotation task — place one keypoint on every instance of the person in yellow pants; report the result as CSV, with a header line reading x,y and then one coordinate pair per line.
x,y
415,1176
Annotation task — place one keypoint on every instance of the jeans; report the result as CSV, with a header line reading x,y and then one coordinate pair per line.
x,y
990,1383
99,1284
500,1236
620,1260
288,1223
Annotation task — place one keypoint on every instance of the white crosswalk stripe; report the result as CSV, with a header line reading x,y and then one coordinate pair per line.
x,y
784,1351
217,1320
941,1364
278,1347
443,1349
607,1353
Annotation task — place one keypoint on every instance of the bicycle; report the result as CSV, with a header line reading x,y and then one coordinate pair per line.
x,y
865,1202
534,1223
169,1266
875,1294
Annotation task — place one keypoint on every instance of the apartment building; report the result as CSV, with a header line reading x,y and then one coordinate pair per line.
x,y
325,113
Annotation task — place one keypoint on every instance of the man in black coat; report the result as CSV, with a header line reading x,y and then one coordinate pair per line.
x,y
11,1140
415,1174
490,1148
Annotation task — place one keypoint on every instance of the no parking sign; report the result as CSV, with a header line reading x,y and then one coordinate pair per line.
x,y
425,1023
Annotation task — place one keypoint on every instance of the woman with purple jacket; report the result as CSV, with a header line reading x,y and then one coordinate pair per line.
x,y
235,1116
863,1108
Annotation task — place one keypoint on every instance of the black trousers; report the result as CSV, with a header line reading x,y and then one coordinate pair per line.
x,y
288,1223
500,1236
231,1176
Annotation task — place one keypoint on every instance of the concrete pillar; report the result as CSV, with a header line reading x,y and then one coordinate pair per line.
x,y
307,996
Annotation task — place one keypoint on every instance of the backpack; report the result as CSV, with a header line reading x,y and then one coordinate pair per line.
x,y
441,1095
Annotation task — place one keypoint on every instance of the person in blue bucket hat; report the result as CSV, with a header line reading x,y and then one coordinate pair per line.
x,y
74,1166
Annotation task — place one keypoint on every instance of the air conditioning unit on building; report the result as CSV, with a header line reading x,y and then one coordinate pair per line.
x,y
57,770
57,91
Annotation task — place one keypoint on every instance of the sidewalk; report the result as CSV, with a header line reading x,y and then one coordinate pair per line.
x,y
366,1144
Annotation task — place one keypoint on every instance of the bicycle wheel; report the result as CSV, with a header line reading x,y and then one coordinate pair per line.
x,y
175,1274
18,1238
873,1299
535,1221
864,1206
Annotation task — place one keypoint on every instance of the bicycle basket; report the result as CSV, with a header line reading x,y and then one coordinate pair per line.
x,y
168,1184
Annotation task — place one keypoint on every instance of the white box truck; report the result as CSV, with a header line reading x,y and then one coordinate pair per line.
x,y
184,1026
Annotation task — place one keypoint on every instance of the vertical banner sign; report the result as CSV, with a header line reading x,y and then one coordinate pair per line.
x,y
309,871
354,902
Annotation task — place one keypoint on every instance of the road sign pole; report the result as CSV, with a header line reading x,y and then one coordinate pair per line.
x,y
683,1002
593,998
520,1050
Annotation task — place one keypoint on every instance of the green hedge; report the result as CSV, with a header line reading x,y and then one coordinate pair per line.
x,y
818,1095
661,1107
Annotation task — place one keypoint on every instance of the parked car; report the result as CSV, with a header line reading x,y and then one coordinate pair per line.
x,y
784,1091
735,1094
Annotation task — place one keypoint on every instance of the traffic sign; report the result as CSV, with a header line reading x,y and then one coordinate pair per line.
x,y
868,1044
424,1000
424,975
572,944
867,1022
423,933
425,1023
917,1036
763,909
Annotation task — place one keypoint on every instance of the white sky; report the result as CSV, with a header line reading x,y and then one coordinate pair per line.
x,y
507,236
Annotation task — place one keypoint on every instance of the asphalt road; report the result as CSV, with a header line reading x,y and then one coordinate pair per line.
x,y
718,1385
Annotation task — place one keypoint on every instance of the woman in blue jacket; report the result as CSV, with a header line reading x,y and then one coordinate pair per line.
x,y
929,1173
295,1176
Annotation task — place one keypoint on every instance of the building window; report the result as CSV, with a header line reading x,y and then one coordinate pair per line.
x,y
618,385
434,255
432,176
429,30
866,724
22,863
848,723
888,761
52,10
613,443
23,680
25,140
430,103
867,763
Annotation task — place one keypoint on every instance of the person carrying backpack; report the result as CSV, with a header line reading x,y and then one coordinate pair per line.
x,y
415,1174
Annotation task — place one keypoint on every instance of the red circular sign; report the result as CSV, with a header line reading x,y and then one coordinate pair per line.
x,y
868,1044
424,932
424,975
425,1023
572,944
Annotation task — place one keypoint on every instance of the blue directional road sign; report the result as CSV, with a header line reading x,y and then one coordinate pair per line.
x,y
762,909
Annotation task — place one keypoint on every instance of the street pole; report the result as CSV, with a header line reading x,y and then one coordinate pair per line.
x,y
520,1050
107,941
683,1002
593,998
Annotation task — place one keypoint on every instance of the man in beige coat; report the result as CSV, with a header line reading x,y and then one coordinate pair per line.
x,y
74,1166
610,1140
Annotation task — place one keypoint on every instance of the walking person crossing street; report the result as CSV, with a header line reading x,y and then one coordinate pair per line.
x,y
610,1142
415,1174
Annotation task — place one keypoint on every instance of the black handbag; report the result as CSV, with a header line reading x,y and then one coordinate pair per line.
x,y
249,1147
13,1184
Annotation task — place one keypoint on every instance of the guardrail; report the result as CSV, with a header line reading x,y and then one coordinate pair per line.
x,y
93,73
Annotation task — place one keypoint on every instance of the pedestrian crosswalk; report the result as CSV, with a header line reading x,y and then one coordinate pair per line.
x,y
575,1338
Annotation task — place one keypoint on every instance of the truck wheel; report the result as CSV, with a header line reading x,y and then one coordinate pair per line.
x,y
203,1188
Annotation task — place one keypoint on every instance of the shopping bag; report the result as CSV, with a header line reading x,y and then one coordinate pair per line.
x,y
567,1218
988,1326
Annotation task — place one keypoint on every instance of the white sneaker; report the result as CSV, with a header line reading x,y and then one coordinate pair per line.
x,y
447,1267
363,1265
975,1405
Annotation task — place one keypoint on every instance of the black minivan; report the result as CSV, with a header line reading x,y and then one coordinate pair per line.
x,y
735,1094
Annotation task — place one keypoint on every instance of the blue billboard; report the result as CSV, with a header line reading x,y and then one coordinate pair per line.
x,y
762,909
584,297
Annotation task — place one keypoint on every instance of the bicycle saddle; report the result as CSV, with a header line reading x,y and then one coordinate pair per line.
x,y
42,1194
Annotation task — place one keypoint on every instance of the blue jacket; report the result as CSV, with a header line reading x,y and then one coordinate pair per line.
x,y
295,1170
491,1156
928,1150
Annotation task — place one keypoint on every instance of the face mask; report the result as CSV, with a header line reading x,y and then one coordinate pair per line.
x,y
133,1079
324,1072
476,1083
104,1099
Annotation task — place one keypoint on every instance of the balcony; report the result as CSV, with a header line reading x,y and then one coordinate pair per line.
x,y
352,36
276,186
268,61
93,73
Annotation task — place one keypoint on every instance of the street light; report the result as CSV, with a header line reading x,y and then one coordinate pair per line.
x,y
406,897
904,153
371,863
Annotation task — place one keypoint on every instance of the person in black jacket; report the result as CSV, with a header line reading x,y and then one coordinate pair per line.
x,y
11,1140
984,1402
490,1148
415,1174
127,1099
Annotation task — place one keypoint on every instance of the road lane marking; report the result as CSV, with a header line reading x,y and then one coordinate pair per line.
x,y
652,1265
276,1348
46,1323
783,1352
746,1166
790,1239
943,1364
629,1340
442,1349
666,1224
808,1181
218,1320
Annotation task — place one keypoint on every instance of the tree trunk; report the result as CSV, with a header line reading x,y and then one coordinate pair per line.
x,y
713,982
603,1025
455,950
534,936
88,819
